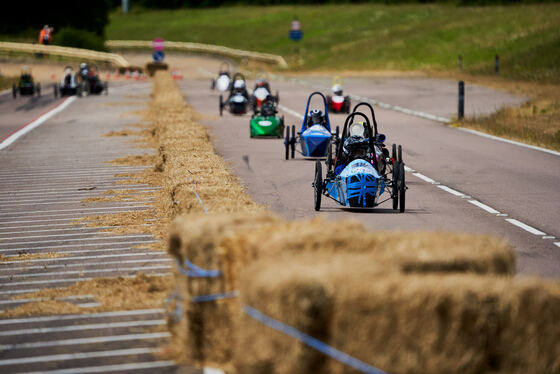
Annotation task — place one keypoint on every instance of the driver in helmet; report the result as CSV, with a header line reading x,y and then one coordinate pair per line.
x,y
356,146
315,117
240,87
337,90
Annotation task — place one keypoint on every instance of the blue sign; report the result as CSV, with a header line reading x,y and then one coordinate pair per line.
x,y
296,35
158,56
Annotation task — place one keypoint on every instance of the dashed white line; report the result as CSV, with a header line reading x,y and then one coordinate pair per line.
x,y
77,356
451,191
424,178
92,326
557,244
80,341
290,111
525,227
484,207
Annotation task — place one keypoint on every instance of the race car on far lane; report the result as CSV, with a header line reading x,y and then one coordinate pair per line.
x,y
88,79
265,122
26,85
338,103
260,93
223,82
314,135
361,170
238,97
68,85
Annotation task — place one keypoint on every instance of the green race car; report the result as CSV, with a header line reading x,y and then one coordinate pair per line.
x,y
265,122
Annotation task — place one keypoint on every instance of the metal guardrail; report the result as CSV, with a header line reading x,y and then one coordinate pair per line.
x,y
87,54
204,48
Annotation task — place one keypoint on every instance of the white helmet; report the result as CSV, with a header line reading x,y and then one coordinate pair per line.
x,y
239,84
83,65
337,89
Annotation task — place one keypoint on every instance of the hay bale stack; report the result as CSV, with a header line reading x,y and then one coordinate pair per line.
x,y
397,322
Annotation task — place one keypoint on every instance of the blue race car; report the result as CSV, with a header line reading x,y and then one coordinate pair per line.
x,y
315,133
362,170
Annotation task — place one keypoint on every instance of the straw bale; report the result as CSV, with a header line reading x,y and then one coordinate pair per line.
x,y
400,323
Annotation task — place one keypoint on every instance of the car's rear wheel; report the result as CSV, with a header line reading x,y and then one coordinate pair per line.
x,y
395,187
287,143
402,188
399,154
14,91
394,151
293,141
318,185
221,105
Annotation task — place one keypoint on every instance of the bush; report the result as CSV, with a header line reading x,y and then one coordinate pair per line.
x,y
71,37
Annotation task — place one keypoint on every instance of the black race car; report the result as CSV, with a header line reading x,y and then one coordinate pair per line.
x,y
68,85
88,79
238,96
26,85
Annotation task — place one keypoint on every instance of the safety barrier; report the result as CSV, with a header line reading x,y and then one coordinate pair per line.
x,y
202,48
56,50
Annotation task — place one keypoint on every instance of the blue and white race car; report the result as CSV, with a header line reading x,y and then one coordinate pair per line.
x,y
315,133
361,174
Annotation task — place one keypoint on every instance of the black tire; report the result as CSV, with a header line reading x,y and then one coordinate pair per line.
x,y
395,187
394,151
14,91
337,131
347,104
212,84
221,105
281,131
329,161
293,141
287,143
399,154
402,188
277,98
318,185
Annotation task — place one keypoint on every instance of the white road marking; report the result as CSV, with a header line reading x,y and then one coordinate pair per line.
x,y
290,111
70,280
451,191
208,370
78,356
32,250
36,123
88,264
484,207
425,178
80,341
557,244
81,271
92,326
525,227
107,237
110,368
548,237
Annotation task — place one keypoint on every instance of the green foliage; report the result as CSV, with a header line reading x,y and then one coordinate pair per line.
x,y
371,36
71,37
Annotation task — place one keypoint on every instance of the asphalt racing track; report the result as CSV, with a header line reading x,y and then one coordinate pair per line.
x,y
458,182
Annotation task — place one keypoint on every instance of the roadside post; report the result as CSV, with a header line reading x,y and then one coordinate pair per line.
x,y
296,34
496,64
461,111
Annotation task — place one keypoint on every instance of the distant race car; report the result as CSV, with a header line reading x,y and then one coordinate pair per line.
x,y
315,133
260,93
88,79
265,122
338,103
223,82
361,170
68,85
238,98
26,86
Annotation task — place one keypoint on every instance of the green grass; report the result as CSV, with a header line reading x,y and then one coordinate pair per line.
x,y
371,36
6,82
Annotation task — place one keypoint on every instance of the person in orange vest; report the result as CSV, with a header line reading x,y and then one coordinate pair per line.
x,y
45,36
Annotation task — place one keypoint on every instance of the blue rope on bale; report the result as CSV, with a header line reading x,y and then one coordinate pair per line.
x,y
312,342
194,271
216,296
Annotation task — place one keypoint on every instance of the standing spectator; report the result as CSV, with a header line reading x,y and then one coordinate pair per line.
x,y
45,36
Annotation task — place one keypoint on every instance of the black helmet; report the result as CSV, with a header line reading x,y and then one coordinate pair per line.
x,y
316,116
355,146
